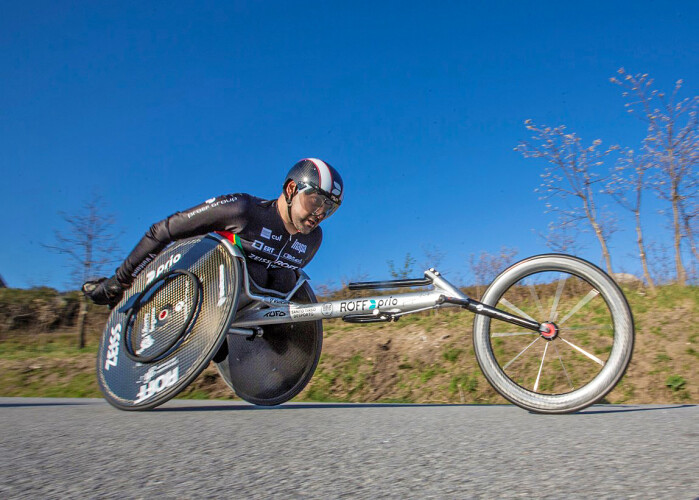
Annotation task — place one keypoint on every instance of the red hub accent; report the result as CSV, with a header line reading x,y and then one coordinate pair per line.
x,y
163,314
549,330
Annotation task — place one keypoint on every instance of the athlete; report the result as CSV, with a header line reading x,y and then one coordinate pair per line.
x,y
277,236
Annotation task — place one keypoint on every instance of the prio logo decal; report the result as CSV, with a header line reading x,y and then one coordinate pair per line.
x,y
151,275
299,247
367,304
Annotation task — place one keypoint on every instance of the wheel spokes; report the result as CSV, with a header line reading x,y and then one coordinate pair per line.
x,y
512,334
515,309
535,296
515,358
587,326
558,354
559,292
584,352
541,367
587,298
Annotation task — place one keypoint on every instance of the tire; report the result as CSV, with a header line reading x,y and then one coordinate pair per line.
x,y
588,346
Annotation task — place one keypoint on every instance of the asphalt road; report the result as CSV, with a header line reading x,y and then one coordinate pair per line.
x,y
84,448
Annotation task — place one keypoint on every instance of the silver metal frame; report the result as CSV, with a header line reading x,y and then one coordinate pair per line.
x,y
271,307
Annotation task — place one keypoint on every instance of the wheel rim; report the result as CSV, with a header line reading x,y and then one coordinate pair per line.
x,y
550,397
577,344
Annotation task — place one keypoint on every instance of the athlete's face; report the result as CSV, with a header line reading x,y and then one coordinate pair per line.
x,y
308,208
305,214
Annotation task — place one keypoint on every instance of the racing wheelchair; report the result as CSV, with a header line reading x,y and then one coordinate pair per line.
x,y
552,333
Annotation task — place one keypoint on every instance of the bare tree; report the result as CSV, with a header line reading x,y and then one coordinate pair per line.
x,y
487,266
433,257
90,245
626,185
571,177
673,147
561,237
403,272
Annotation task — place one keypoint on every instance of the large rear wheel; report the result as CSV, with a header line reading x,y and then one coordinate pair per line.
x,y
584,350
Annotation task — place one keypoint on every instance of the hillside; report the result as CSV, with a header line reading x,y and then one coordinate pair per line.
x,y
423,358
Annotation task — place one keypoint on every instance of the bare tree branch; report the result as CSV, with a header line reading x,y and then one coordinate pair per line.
x,y
571,177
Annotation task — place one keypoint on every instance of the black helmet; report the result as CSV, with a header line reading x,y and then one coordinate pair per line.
x,y
315,175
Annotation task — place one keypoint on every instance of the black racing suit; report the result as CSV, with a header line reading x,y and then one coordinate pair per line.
x,y
272,253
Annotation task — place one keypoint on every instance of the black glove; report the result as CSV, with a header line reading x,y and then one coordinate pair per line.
x,y
104,291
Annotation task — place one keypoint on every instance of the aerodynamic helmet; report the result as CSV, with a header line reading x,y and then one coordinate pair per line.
x,y
319,181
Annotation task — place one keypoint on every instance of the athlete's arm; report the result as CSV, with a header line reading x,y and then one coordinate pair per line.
x,y
227,212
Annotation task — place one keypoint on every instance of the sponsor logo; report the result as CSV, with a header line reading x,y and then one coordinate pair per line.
x,y
149,322
337,189
366,304
299,247
151,275
327,309
153,386
266,233
304,311
291,258
276,263
211,203
146,342
259,245
113,347
143,264
221,286
275,314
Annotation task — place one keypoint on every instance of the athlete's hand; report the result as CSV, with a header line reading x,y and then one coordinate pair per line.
x,y
104,291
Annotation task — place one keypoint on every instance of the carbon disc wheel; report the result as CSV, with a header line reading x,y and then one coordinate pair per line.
x,y
581,353
169,324
271,370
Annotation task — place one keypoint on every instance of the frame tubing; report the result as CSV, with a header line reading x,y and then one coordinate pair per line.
x,y
387,304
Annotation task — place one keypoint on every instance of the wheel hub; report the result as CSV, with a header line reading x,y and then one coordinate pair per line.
x,y
549,330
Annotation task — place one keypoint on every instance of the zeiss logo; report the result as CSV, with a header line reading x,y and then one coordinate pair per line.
x,y
299,247
259,245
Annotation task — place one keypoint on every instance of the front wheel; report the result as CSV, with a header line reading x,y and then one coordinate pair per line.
x,y
584,350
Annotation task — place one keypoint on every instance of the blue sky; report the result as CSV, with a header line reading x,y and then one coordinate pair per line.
x,y
160,106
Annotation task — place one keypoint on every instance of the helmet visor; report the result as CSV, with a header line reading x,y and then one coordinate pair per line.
x,y
316,203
